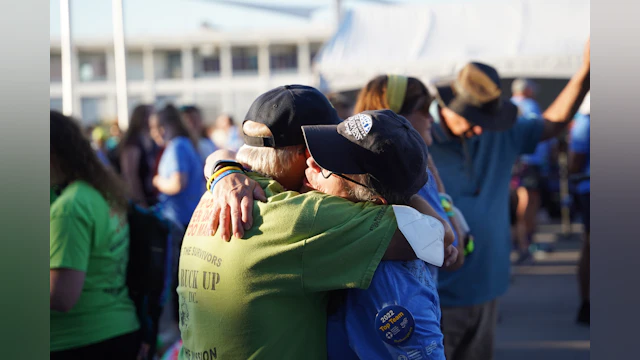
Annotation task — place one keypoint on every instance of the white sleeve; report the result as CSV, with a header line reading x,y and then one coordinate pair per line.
x,y
424,233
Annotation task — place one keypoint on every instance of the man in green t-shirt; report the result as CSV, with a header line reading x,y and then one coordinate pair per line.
x,y
265,296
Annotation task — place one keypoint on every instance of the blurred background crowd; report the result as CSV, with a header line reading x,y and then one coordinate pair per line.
x,y
194,69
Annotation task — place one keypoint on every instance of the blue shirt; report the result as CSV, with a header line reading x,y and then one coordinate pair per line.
x,y
477,173
430,193
580,144
181,156
353,334
206,147
529,108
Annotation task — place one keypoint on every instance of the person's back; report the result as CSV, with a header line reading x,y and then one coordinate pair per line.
x,y
264,296
81,219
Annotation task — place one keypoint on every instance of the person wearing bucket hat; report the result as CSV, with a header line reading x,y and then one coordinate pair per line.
x,y
478,131
379,149
267,293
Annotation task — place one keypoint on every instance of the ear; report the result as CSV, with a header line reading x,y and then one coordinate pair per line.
x,y
311,164
379,200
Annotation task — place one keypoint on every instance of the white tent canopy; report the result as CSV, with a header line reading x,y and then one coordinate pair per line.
x,y
529,38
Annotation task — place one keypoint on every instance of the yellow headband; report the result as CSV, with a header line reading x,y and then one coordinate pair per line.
x,y
396,91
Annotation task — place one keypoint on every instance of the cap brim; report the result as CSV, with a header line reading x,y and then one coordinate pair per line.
x,y
501,120
333,151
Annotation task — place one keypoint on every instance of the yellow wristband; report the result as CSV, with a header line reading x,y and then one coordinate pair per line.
x,y
217,173
209,181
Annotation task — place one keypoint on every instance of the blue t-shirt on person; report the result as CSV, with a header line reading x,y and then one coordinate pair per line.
x,y
181,156
580,144
430,193
352,332
476,173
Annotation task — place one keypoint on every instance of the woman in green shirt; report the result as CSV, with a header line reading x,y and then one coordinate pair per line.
x,y
91,314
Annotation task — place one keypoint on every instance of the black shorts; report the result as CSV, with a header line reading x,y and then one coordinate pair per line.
x,y
583,201
530,177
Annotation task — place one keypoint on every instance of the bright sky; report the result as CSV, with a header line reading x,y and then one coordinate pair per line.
x,y
91,18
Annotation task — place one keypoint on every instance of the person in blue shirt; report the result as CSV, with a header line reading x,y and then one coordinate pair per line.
x,y
478,136
411,285
580,171
398,315
179,180
193,118
530,170
410,98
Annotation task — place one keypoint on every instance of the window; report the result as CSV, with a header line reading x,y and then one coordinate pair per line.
x,y
168,65
207,64
55,104
93,66
55,68
162,100
283,58
314,49
93,110
245,60
135,66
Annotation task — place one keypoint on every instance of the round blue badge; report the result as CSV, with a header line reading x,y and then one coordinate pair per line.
x,y
395,324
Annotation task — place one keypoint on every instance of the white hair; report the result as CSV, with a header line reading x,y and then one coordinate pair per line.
x,y
269,161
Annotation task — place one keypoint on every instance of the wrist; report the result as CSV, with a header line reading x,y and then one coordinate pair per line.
x,y
218,165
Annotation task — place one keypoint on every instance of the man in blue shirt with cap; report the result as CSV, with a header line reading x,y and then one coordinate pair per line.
x,y
478,136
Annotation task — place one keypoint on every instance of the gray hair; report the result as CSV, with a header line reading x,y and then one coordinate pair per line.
x,y
361,193
268,161
520,85
272,162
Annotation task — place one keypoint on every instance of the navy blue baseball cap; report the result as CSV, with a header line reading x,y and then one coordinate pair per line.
x,y
284,110
379,143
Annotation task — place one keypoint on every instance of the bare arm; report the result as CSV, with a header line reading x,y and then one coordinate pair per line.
x,y
558,116
129,163
399,248
65,287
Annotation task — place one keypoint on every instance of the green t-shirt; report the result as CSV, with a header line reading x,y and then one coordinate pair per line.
x,y
86,235
265,296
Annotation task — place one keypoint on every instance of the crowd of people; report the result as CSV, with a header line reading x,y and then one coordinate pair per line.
x,y
319,230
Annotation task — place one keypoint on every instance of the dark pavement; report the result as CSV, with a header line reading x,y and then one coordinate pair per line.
x,y
537,315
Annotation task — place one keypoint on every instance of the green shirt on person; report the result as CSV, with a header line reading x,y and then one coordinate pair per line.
x,y
85,235
265,296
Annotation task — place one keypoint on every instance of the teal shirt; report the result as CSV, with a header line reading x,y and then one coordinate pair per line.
x,y
476,173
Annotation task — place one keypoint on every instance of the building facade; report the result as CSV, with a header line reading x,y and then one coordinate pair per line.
x,y
220,72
